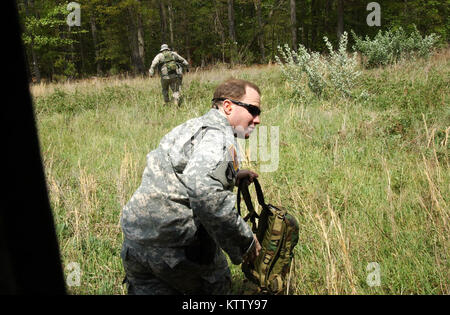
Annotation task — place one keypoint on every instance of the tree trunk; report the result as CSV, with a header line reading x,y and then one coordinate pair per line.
x,y
260,28
94,38
29,6
231,20
340,24
136,41
163,19
326,18
314,24
293,25
187,38
275,6
140,41
171,19
36,71
82,55
234,55
220,29
272,46
303,13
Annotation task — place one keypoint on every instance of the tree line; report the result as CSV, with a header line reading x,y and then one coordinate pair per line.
x,y
123,36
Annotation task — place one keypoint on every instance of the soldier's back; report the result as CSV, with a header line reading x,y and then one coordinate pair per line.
x,y
159,213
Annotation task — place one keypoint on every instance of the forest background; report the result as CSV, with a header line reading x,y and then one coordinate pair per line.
x,y
363,150
122,36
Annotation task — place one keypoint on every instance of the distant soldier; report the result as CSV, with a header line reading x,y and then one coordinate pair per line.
x,y
183,215
170,66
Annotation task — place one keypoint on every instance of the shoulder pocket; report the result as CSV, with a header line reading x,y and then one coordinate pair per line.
x,y
225,174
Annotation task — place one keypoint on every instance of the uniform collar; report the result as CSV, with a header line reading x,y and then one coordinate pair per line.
x,y
219,120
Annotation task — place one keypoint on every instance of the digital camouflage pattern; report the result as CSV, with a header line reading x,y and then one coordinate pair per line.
x,y
187,187
167,271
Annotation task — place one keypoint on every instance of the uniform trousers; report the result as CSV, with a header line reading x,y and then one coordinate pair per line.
x,y
175,85
168,271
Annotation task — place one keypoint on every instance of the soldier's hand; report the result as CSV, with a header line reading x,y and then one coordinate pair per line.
x,y
253,252
246,176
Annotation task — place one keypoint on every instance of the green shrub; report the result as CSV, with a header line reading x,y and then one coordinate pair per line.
x,y
393,45
338,72
64,69
298,65
342,69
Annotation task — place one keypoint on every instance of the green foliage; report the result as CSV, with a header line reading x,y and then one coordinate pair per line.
x,y
45,32
199,31
66,67
338,72
48,36
367,182
296,66
342,69
393,45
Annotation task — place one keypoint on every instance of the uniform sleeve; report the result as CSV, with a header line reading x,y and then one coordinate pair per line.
x,y
180,59
155,62
211,201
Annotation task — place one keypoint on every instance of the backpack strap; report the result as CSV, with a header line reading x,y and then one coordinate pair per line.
x,y
259,193
196,134
252,215
243,189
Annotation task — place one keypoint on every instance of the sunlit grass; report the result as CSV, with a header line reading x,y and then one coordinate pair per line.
x,y
367,178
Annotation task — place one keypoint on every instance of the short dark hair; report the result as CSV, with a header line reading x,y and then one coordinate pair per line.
x,y
234,89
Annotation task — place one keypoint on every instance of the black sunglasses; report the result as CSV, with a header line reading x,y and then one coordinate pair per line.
x,y
252,109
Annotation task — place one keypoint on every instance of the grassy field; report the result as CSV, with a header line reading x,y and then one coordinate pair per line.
x,y
368,178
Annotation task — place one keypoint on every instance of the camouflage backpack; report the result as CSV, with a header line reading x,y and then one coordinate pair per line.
x,y
277,232
170,63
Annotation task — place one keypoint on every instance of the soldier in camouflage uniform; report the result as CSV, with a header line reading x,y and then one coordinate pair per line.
x,y
183,215
169,78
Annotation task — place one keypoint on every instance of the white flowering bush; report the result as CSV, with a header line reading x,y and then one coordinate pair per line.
x,y
392,45
342,69
337,72
292,69
300,66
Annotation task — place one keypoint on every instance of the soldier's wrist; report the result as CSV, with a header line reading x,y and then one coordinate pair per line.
x,y
249,248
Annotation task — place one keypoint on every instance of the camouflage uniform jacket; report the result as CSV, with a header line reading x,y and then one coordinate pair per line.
x,y
159,62
188,181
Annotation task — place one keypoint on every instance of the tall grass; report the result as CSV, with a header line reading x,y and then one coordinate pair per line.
x,y
368,179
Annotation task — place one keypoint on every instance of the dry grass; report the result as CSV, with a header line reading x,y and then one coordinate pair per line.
x,y
367,182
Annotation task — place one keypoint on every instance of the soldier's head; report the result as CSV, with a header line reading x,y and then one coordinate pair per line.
x,y
164,47
240,101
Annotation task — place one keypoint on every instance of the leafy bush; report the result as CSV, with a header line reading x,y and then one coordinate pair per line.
x,y
293,68
342,68
393,45
64,69
299,64
337,72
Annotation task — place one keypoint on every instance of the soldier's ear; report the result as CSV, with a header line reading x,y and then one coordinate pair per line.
x,y
227,107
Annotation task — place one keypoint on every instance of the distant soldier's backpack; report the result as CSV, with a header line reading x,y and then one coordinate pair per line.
x,y
170,62
277,232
